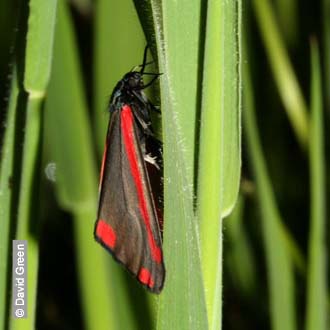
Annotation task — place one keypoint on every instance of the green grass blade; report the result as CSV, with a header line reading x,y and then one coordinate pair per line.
x,y
28,207
37,70
230,104
119,45
6,199
219,159
67,130
297,255
182,304
326,49
279,263
239,256
287,14
39,46
70,147
317,316
181,28
283,72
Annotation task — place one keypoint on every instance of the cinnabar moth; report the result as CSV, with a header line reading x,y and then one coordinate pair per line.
x,y
129,221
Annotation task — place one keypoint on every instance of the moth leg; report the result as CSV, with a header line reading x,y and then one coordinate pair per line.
x,y
155,108
144,120
151,160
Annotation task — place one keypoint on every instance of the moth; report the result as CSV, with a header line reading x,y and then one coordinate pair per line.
x,y
129,219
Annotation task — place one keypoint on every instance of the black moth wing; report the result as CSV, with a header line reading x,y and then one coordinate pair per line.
x,y
127,223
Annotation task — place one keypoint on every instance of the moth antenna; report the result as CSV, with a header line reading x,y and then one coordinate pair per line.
x,y
144,63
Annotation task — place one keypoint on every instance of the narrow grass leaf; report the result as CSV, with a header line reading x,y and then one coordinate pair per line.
x,y
39,48
219,158
283,72
326,50
297,256
278,259
6,199
317,313
38,56
288,18
28,206
68,135
182,304
181,38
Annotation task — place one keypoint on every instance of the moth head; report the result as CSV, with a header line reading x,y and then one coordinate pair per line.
x,y
133,80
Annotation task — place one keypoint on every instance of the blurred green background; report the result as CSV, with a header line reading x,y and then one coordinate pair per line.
x,y
246,231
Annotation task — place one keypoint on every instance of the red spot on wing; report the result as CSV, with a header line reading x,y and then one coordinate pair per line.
x,y
145,277
128,132
106,233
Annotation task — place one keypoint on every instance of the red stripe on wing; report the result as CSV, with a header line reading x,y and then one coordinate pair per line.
x,y
106,233
128,134
146,278
103,163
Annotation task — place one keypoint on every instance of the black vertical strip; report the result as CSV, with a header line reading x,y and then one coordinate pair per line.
x,y
10,24
199,88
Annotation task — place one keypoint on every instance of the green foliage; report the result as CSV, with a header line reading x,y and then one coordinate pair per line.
x,y
277,255
317,281
284,75
65,57
7,198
